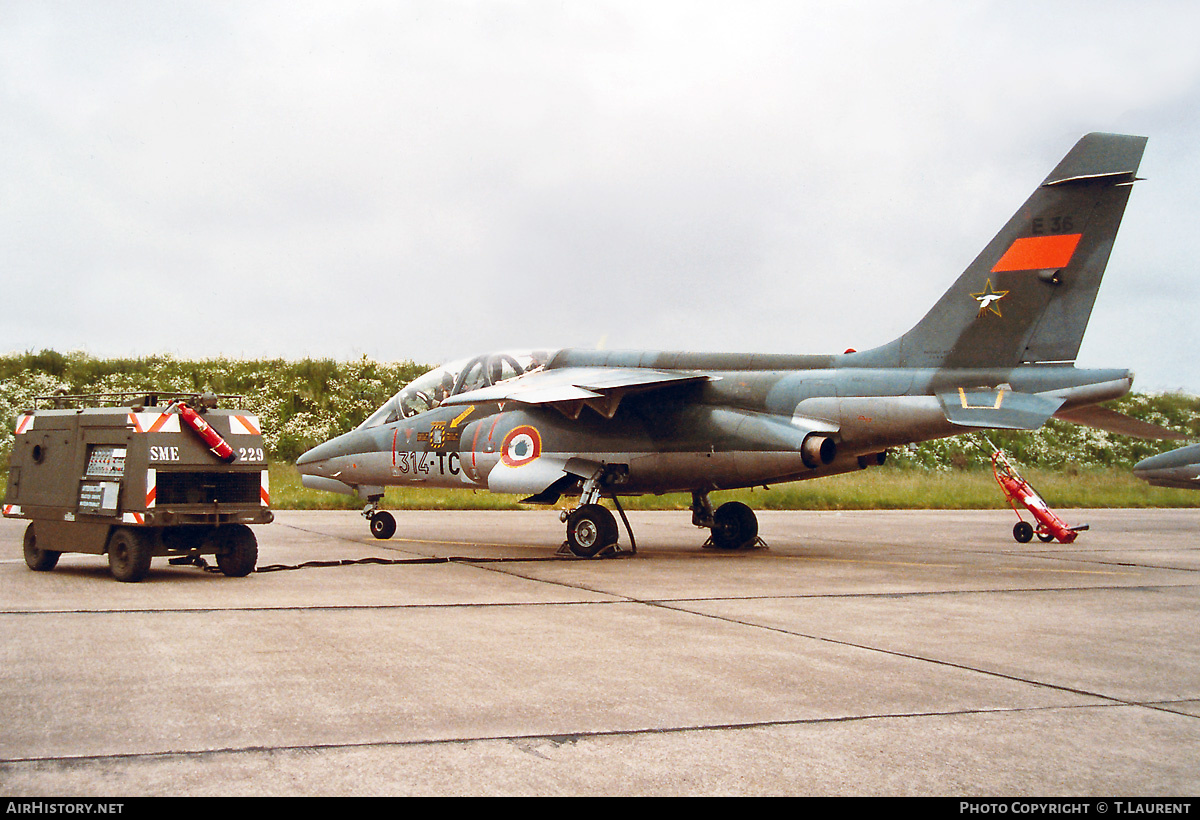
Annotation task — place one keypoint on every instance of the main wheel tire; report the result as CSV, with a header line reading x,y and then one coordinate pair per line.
x,y
590,529
237,550
128,555
36,558
1023,532
735,526
383,525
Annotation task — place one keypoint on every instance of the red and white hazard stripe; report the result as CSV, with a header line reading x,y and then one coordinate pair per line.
x,y
244,426
154,422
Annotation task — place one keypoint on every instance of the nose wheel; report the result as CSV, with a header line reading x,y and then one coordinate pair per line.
x,y
383,523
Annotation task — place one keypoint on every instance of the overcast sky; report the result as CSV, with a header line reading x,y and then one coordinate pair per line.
x,y
428,180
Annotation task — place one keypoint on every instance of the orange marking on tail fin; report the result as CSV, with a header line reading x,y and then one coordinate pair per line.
x,y
1038,253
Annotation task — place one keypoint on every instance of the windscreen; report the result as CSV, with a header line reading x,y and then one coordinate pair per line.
x,y
431,389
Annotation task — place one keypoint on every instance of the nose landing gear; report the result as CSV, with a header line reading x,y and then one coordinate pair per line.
x,y
383,523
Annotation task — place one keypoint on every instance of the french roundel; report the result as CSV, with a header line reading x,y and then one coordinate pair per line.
x,y
521,446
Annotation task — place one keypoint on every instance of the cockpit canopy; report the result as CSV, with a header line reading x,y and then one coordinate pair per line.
x,y
428,391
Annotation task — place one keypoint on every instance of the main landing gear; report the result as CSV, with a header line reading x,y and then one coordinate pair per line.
x,y
591,527
734,525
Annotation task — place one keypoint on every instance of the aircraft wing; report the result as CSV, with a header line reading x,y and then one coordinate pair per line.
x,y
570,389
1104,419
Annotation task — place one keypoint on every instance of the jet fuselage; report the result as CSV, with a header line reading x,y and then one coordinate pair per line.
x,y
734,428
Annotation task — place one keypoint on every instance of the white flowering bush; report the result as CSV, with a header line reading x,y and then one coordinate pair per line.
x,y
16,396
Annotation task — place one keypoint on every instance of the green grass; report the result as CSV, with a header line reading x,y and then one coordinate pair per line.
x,y
887,488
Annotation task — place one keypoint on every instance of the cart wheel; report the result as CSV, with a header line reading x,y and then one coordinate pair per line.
x,y
37,559
237,550
128,555
1045,537
1023,532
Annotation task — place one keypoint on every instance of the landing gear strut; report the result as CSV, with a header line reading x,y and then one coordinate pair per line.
x,y
591,527
383,523
734,525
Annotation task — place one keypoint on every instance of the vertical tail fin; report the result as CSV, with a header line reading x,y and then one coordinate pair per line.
x,y
1028,296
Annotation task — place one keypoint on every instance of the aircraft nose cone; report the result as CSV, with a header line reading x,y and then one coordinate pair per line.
x,y
306,460
335,466
325,456
311,461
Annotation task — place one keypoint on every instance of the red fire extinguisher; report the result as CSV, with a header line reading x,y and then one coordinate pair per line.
x,y
211,437
1019,491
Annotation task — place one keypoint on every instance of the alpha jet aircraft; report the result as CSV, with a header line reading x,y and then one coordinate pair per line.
x,y
996,351
1178,468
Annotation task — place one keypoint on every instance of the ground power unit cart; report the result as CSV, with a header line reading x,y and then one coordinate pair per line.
x,y
138,475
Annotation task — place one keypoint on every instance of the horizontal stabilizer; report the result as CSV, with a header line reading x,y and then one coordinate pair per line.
x,y
1104,419
998,409
1099,157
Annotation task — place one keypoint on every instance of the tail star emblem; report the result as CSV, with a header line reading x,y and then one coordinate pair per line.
x,y
989,299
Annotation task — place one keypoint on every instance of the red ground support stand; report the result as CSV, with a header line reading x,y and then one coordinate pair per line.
x,y
1018,491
